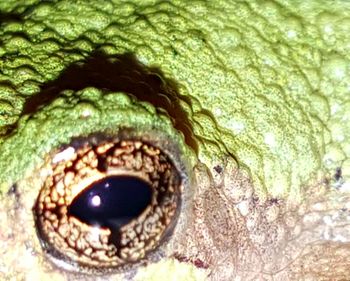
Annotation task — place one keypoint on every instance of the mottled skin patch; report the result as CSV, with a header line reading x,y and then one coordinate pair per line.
x,y
263,93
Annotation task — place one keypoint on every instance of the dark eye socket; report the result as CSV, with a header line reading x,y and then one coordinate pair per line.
x,y
107,205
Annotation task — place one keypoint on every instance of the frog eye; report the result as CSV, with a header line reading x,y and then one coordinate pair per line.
x,y
107,204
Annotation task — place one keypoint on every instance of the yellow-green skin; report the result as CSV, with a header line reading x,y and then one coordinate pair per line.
x,y
263,82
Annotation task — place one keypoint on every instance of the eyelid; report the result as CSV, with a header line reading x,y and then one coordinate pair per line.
x,y
61,121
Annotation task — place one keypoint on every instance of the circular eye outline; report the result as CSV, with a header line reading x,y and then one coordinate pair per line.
x,y
95,160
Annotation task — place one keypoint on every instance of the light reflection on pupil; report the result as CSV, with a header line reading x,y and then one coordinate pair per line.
x,y
111,202
95,201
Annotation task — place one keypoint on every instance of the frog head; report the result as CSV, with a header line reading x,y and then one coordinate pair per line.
x,y
246,102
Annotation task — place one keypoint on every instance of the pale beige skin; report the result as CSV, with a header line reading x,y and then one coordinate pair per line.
x,y
264,91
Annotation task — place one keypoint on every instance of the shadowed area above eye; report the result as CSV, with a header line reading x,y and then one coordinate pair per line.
x,y
122,73
10,17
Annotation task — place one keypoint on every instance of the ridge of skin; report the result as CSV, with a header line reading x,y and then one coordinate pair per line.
x,y
264,88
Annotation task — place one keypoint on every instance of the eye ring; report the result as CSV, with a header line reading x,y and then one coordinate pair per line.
x,y
78,245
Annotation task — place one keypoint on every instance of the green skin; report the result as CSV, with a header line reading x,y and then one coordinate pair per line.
x,y
262,89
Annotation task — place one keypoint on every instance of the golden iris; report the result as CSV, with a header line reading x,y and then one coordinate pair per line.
x,y
107,204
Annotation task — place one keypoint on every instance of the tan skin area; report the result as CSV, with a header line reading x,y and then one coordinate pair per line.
x,y
250,100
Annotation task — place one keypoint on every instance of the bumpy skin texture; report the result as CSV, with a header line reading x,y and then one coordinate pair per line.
x,y
263,96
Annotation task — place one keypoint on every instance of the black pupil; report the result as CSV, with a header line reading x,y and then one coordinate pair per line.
x,y
111,202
